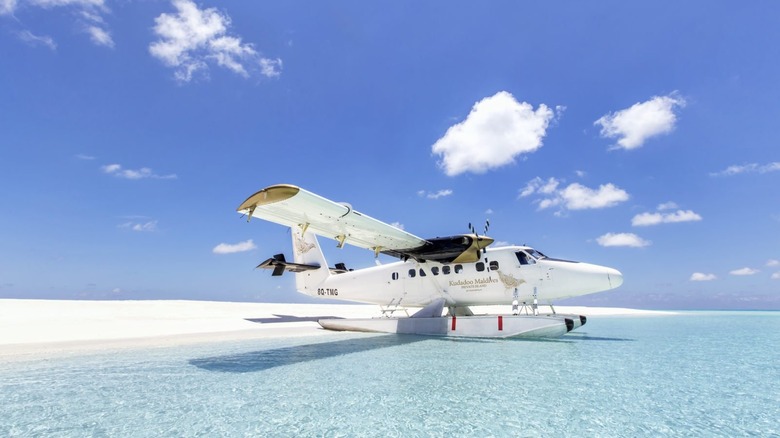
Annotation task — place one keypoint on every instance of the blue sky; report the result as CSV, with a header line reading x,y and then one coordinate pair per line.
x,y
641,136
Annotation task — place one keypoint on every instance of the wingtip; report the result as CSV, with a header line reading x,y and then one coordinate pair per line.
x,y
269,195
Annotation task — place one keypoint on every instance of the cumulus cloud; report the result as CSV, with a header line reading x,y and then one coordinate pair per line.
x,y
192,38
575,196
635,125
748,168
228,248
647,219
496,131
772,262
622,239
667,206
578,197
140,226
699,276
144,172
744,271
776,276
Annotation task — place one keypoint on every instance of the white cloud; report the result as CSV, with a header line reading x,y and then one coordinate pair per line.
x,y
144,172
580,173
227,248
579,197
270,67
622,239
646,219
7,7
36,40
90,12
192,38
776,276
496,131
633,126
138,226
667,206
748,168
531,187
744,271
85,157
398,225
100,36
435,195
489,211
575,196
56,3
698,276
772,262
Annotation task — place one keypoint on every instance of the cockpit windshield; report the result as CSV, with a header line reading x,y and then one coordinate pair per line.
x,y
529,256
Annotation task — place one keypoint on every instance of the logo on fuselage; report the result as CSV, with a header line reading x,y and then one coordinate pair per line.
x,y
509,281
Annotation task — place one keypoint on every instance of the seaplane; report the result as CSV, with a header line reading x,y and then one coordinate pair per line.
x,y
453,273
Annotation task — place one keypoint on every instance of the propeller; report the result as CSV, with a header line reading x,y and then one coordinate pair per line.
x,y
474,232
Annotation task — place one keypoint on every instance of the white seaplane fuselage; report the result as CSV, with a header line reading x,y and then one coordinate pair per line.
x,y
503,275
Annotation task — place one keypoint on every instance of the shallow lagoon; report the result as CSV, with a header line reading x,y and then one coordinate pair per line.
x,y
696,373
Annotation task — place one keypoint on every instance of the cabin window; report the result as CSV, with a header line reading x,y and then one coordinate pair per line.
x,y
445,270
458,269
480,266
395,276
494,265
422,273
435,270
412,273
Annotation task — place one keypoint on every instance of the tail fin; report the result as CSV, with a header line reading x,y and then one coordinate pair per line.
x,y
306,251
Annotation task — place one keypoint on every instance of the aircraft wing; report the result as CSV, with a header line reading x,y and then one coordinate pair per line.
x,y
293,206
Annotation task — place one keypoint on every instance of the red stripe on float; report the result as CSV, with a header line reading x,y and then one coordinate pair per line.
x,y
500,323
453,323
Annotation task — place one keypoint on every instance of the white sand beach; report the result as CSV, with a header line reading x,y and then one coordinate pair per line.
x,y
32,329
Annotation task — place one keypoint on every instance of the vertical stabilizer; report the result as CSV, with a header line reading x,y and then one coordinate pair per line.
x,y
307,251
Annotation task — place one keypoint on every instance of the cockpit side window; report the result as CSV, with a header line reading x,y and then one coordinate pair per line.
x,y
522,257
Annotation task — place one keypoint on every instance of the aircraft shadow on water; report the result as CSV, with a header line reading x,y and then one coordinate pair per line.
x,y
265,359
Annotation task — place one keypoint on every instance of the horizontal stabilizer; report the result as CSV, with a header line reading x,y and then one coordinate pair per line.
x,y
279,264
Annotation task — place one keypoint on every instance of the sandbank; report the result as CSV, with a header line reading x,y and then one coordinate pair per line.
x,y
31,329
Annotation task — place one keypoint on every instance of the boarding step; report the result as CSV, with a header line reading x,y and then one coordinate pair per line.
x,y
394,305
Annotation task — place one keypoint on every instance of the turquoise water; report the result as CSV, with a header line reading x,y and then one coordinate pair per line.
x,y
695,374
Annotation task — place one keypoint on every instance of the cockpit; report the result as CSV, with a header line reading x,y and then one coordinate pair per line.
x,y
529,256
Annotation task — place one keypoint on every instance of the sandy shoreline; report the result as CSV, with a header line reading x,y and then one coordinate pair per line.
x,y
31,329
